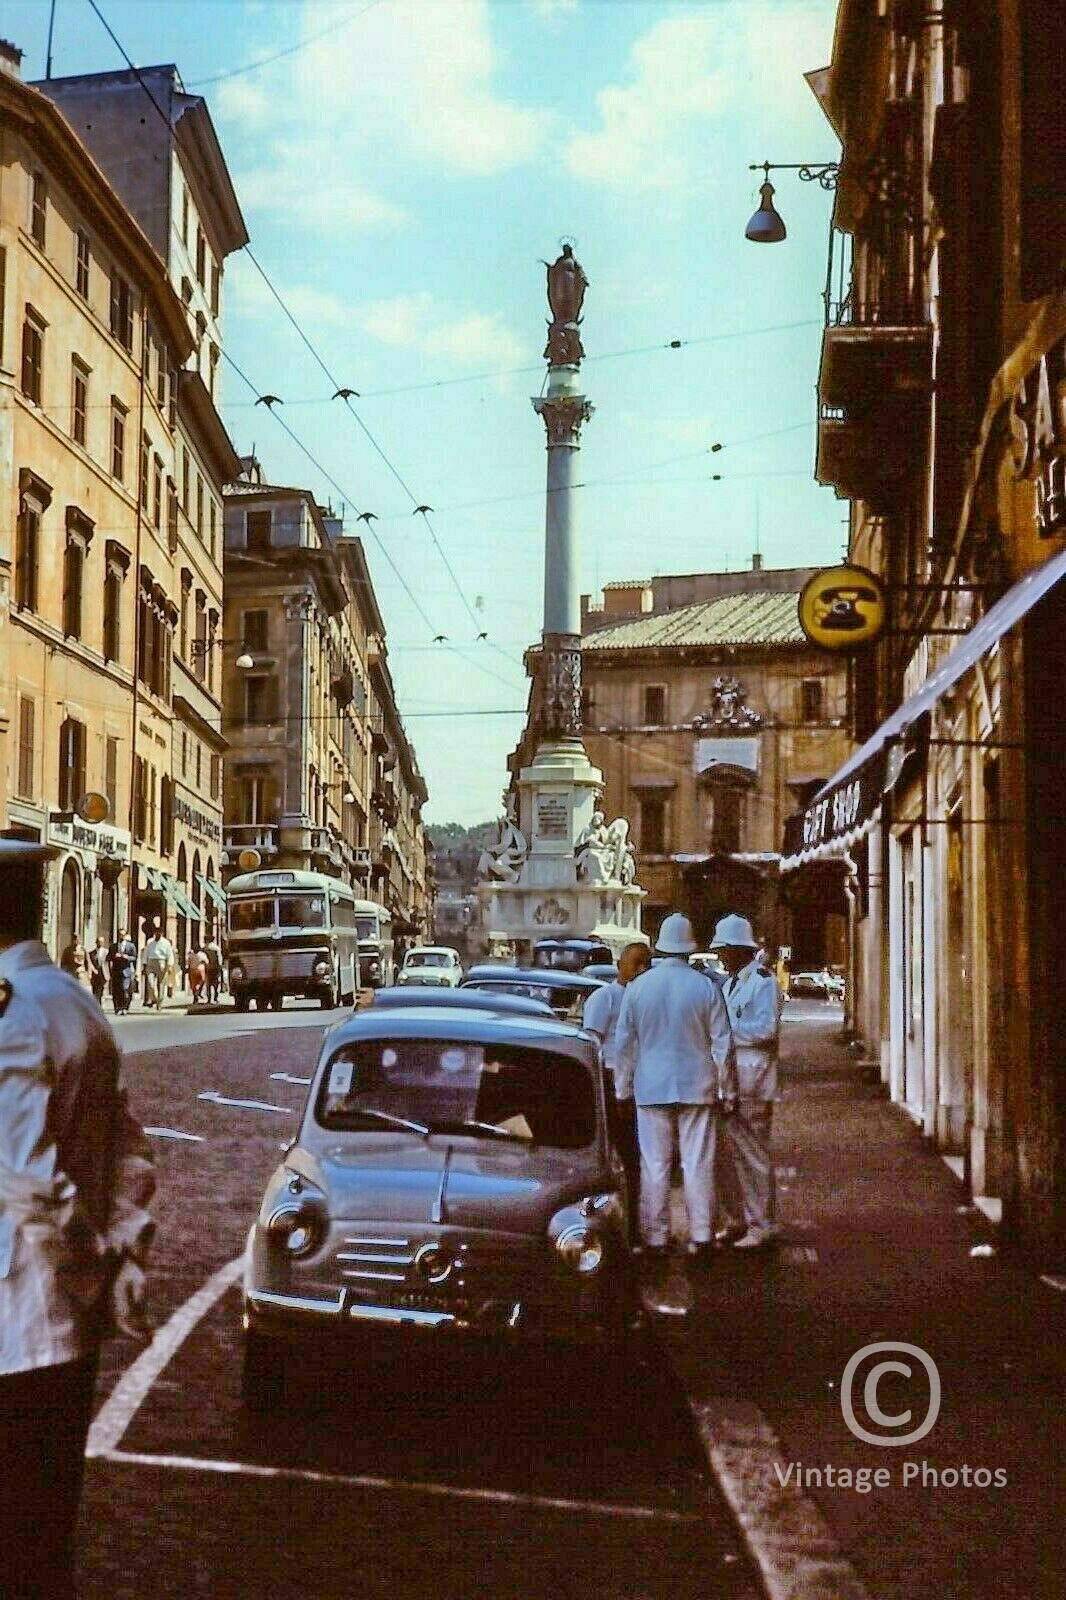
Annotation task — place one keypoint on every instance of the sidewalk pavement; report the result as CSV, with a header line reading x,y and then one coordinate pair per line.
x,y
877,1246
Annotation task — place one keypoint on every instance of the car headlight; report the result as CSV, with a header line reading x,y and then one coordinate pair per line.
x,y
296,1227
581,1247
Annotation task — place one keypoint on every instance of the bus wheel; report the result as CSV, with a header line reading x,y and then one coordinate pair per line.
x,y
240,1002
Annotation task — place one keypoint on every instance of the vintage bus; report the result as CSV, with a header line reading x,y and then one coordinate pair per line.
x,y
376,960
298,933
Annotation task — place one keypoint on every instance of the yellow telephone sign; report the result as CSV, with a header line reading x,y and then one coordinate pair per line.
x,y
843,608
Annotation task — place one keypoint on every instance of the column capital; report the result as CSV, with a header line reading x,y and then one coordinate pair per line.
x,y
563,416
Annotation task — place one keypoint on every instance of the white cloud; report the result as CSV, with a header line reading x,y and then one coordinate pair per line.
x,y
655,129
417,322
249,296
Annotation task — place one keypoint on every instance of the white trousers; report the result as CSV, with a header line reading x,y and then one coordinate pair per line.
x,y
746,1168
660,1131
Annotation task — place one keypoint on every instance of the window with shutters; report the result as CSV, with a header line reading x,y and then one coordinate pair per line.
x,y
118,441
186,480
200,651
140,798
216,288
161,370
212,543
259,698
653,824
71,763
27,553
146,468
201,257
258,529
654,705
150,828
255,631
73,586
157,492
252,794
32,357
111,773
166,815
212,370
183,636
81,263
199,506
199,764
38,207
185,216
216,777
79,400
121,310
3,298
812,695
26,763
726,819
172,516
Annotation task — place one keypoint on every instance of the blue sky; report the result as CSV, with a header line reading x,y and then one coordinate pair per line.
x,y
403,174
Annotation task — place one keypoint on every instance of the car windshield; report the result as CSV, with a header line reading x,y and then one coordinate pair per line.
x,y
428,958
302,911
246,915
561,960
452,1086
560,996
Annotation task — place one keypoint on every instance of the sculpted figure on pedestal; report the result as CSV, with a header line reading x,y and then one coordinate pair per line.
x,y
566,293
504,860
603,853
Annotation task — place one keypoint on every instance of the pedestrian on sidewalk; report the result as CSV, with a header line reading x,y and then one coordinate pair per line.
x,y
196,968
158,955
75,1183
213,952
98,969
600,1016
674,1053
123,967
73,959
754,1000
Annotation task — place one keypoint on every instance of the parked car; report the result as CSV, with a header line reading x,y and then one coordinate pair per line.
x,y
606,971
808,986
452,1174
570,955
464,999
565,992
708,963
436,965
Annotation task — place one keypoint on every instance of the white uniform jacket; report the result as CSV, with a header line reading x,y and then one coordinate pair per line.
x,y
755,1001
673,1044
75,1167
600,1016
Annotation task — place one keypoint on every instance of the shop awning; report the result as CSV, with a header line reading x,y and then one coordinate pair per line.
x,y
213,890
847,807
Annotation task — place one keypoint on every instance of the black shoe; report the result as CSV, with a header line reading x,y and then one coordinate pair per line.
x,y
703,1254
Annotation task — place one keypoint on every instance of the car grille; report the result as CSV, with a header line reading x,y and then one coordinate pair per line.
x,y
472,1277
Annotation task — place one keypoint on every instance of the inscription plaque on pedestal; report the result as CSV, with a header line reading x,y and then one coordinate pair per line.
x,y
552,816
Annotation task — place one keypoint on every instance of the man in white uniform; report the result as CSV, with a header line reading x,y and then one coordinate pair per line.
x,y
674,1053
602,1010
754,999
75,1182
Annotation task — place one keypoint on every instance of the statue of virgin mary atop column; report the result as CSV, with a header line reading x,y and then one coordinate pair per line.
x,y
566,295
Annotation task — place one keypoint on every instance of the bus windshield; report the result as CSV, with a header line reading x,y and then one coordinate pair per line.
x,y
367,927
302,910
247,915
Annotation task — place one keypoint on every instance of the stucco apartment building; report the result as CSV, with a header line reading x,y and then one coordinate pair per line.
x,y
111,458
320,775
943,421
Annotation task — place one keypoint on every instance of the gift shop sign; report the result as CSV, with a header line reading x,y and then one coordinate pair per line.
x,y
67,829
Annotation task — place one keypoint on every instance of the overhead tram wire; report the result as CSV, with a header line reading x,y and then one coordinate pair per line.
x,y
320,362
291,50
348,498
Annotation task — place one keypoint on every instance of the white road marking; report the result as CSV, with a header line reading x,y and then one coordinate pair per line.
x,y
117,1411
245,1105
287,1077
443,1491
175,1133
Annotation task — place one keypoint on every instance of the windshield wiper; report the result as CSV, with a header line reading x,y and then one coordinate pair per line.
x,y
471,1125
393,1122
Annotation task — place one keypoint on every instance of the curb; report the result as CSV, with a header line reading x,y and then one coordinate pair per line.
x,y
787,1538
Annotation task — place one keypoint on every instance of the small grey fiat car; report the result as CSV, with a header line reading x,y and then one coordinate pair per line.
x,y
452,1176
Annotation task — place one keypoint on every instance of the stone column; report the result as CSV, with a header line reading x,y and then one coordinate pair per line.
x,y
563,410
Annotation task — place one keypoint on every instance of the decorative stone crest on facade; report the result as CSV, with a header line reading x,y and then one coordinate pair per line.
x,y
728,712
551,913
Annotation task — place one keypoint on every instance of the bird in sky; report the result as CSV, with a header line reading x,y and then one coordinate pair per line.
x,y
440,638
346,394
367,517
270,401
482,635
417,509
